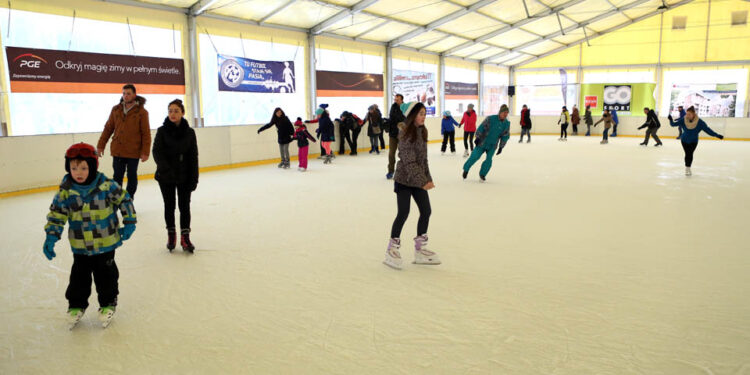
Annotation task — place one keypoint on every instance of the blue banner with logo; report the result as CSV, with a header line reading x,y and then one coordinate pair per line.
x,y
247,75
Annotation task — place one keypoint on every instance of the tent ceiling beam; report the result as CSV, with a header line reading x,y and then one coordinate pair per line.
x,y
277,10
440,21
346,12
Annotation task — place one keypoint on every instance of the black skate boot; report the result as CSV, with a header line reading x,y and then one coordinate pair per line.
x,y
171,239
185,241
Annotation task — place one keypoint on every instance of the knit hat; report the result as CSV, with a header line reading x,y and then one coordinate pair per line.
x,y
470,106
374,106
504,108
447,113
407,107
85,152
321,109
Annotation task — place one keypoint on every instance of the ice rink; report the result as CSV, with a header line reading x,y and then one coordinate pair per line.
x,y
573,258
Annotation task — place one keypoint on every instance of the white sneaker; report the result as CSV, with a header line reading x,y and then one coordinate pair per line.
x,y
421,254
392,255
74,316
105,315
688,172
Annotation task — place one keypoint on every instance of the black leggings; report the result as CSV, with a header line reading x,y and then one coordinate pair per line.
x,y
469,138
403,199
183,197
564,130
689,150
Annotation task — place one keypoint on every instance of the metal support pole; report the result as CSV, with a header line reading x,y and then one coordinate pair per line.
x,y
480,104
441,84
511,82
388,78
311,81
195,84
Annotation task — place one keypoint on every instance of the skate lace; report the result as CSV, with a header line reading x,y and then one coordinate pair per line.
x,y
394,253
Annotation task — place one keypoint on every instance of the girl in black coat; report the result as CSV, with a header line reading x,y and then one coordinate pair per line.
x,y
285,131
176,155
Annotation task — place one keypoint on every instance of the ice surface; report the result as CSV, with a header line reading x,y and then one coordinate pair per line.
x,y
573,258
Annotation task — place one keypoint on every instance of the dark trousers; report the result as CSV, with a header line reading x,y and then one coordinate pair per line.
x,y
605,135
403,200
452,137
355,135
651,132
374,144
382,141
689,150
680,132
575,128
614,129
183,199
392,147
344,136
526,131
563,130
120,165
105,272
469,140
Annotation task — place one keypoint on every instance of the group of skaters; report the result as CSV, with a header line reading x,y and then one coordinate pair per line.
x,y
88,200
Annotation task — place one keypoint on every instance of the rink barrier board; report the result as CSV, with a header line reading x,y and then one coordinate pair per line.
x,y
277,160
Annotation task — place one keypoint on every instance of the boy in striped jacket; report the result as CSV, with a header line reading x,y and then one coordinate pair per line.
x,y
88,201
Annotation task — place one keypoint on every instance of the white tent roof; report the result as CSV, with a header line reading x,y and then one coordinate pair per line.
x,y
493,31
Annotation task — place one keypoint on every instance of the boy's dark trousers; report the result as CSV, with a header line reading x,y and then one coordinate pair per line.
x,y
105,272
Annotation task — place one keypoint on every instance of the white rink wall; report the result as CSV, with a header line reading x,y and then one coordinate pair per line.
x,y
28,162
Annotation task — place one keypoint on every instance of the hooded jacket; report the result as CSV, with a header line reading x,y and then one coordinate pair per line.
x,y
575,118
302,136
176,154
131,133
447,125
469,121
284,128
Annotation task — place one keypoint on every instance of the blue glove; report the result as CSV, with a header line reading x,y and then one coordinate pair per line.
x,y
49,246
126,231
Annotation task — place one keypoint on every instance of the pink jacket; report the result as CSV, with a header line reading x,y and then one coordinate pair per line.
x,y
470,119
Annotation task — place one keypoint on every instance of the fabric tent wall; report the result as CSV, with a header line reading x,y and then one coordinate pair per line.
x,y
638,43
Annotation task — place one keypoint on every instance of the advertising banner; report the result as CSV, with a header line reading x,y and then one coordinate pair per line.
x,y
416,86
461,90
709,100
34,70
247,75
626,99
346,84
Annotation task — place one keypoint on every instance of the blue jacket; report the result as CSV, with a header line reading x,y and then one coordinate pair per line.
x,y
682,114
614,116
493,131
448,125
691,135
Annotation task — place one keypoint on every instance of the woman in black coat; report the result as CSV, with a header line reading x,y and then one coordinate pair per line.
x,y
374,120
176,156
285,131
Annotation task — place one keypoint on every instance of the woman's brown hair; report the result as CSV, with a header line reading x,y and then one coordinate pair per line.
x,y
410,132
178,103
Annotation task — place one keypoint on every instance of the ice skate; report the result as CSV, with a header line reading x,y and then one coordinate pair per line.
x,y
453,153
482,178
521,140
658,144
74,316
643,144
105,315
528,140
171,239
466,153
281,165
392,255
185,241
421,254
688,172
442,153
604,142
464,174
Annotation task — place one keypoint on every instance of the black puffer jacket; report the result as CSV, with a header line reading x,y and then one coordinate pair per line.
x,y
394,118
284,129
176,154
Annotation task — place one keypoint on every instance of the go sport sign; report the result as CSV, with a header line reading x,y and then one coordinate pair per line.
x,y
247,75
618,98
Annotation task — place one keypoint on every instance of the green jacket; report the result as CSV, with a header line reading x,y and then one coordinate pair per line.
x,y
493,131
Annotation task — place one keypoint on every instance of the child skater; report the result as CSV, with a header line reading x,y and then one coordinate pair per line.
x,y
89,201
489,135
608,123
412,180
470,122
302,135
563,122
449,132
691,126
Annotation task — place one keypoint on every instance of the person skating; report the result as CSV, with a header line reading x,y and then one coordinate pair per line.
x,y
302,136
492,135
575,119
691,127
176,156
469,121
563,122
395,117
681,111
347,125
588,120
128,122
325,132
285,131
88,201
652,124
613,113
374,121
608,123
525,124
448,131
412,180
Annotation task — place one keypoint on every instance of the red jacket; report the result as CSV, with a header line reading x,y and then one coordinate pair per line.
x,y
470,120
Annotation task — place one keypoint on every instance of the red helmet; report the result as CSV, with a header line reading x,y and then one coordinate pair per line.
x,y
83,151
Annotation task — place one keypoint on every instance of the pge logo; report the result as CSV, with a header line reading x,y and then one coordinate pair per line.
x,y
29,60
231,73
617,97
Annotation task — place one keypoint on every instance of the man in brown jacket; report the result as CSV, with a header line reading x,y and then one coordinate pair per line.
x,y
131,137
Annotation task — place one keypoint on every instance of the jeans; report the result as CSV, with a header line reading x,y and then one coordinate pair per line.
x,y
120,165
605,134
392,147
468,140
284,151
183,199
452,137
689,150
403,200
106,274
374,144
526,131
